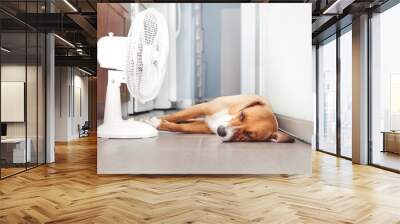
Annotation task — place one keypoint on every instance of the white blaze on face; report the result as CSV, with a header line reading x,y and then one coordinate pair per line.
x,y
220,118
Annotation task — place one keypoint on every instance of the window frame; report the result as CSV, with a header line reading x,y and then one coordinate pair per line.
x,y
334,37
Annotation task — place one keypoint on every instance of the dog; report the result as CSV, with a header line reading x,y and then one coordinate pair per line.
x,y
239,118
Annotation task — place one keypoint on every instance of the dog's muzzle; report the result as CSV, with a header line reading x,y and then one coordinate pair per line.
x,y
225,133
221,131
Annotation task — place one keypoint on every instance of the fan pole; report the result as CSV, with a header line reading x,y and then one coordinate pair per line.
x,y
112,112
114,126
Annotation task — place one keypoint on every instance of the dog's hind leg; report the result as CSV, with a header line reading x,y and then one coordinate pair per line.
x,y
193,127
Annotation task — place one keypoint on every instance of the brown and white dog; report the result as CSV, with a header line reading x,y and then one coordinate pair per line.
x,y
233,118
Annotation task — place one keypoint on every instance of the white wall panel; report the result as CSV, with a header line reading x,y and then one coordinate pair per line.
x,y
12,101
248,47
71,102
230,52
286,78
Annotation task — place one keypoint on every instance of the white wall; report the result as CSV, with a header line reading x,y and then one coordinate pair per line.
x,y
314,75
80,109
248,54
230,52
68,83
34,124
185,57
17,73
12,101
212,38
286,78
62,80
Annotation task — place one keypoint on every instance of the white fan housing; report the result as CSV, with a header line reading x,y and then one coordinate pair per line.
x,y
148,47
140,61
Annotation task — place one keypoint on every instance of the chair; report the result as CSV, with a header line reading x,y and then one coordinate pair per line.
x,y
84,130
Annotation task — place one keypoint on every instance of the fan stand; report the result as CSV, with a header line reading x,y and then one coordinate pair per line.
x,y
114,126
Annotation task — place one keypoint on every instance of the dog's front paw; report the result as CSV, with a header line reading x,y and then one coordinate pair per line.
x,y
153,121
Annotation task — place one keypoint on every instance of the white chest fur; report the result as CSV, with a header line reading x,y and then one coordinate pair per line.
x,y
220,118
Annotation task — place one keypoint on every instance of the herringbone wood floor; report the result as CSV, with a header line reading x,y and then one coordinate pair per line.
x,y
70,191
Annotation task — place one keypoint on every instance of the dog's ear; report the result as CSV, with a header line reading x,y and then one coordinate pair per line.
x,y
240,107
251,104
280,137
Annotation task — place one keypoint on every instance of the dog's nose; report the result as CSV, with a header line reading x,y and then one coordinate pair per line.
x,y
221,131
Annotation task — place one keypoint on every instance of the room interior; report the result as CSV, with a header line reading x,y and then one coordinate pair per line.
x,y
335,62
350,131
385,83
331,81
219,75
32,94
22,100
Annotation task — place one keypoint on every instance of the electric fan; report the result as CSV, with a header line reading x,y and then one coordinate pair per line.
x,y
140,61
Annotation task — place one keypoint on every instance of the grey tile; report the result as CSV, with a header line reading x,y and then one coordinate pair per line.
x,y
176,153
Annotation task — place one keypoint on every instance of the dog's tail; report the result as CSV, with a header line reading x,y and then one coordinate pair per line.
x,y
281,137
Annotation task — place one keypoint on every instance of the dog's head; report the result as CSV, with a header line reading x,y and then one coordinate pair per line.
x,y
252,121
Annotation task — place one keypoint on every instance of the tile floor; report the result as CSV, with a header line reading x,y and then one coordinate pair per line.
x,y
177,153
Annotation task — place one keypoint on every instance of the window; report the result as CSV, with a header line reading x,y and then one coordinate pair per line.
x,y
22,77
395,102
346,93
334,106
385,89
327,95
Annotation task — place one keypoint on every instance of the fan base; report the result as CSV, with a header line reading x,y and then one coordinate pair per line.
x,y
126,129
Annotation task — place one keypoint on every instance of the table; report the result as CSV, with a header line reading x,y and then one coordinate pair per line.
x,y
16,147
391,141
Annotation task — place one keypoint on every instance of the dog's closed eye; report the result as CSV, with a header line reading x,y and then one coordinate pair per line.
x,y
241,116
247,134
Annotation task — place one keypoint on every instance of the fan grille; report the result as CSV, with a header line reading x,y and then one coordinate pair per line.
x,y
144,76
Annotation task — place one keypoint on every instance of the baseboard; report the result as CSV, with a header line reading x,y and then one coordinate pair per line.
x,y
299,128
184,103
